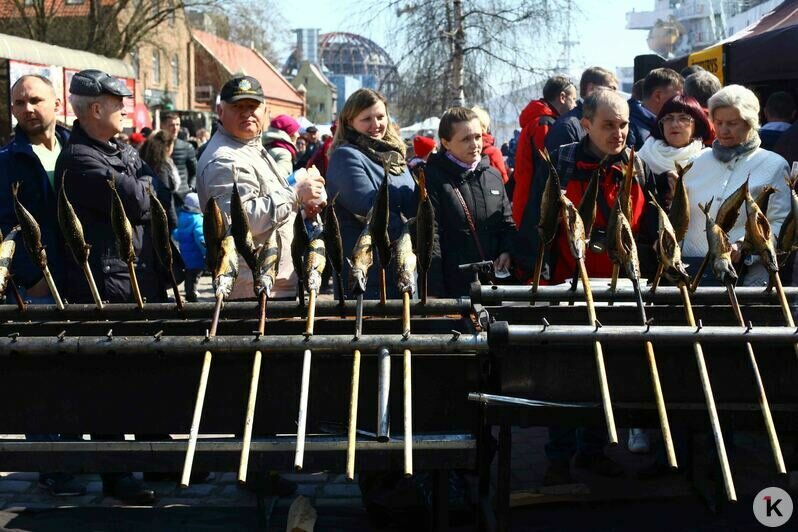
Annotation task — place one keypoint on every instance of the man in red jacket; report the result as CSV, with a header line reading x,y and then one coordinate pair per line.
x,y
559,97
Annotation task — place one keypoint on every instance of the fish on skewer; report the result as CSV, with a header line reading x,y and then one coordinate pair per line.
x,y
267,264
123,232
239,228
405,260
759,235
378,227
72,230
162,242
667,248
549,217
333,246
425,234
787,241
587,209
623,203
226,270
7,249
32,240
574,228
299,244
315,260
679,214
720,248
213,229
362,259
763,198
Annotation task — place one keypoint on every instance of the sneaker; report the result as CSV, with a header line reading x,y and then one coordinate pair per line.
x,y
130,490
61,485
558,473
600,464
638,441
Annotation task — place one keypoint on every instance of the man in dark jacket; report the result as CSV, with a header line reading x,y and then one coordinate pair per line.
x,y
659,86
29,160
779,112
568,128
93,157
184,156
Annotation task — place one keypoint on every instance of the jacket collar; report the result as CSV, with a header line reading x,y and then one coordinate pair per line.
x,y
454,171
21,142
255,141
79,136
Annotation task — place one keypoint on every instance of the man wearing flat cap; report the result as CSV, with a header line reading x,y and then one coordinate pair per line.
x,y
270,201
92,157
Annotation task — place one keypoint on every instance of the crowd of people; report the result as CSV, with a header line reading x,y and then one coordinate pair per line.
x,y
487,205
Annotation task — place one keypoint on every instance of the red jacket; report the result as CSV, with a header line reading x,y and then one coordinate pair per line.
x,y
495,156
535,120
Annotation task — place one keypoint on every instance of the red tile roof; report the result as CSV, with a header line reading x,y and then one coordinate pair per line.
x,y
237,59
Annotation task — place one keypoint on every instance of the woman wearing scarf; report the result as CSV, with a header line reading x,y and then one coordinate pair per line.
x,y
364,142
280,141
735,156
472,212
682,128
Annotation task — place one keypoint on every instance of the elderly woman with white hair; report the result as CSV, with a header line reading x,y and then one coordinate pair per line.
x,y
735,156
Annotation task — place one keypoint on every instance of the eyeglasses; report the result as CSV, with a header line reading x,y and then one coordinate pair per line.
x,y
681,119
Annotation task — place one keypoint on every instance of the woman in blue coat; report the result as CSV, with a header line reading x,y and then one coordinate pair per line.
x,y
363,142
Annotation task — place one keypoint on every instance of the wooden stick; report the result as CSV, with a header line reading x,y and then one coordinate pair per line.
x,y
203,385
709,397
53,289
659,398
538,268
383,287
763,400
249,418
178,299
92,286
657,277
699,273
785,307
351,441
304,391
134,284
616,271
609,417
408,407
21,305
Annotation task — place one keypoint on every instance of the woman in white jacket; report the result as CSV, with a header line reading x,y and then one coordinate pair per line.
x,y
735,156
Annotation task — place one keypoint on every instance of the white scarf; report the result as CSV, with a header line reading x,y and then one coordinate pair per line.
x,y
662,158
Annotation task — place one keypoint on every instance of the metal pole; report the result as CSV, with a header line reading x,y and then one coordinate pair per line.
x,y
383,395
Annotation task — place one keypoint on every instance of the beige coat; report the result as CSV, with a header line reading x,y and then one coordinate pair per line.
x,y
268,199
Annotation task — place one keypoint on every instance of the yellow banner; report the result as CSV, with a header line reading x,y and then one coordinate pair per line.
x,y
710,59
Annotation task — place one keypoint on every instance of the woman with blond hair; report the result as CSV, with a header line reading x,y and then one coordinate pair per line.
x,y
489,149
363,145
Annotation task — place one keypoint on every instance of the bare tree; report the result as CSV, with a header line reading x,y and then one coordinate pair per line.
x,y
450,49
112,29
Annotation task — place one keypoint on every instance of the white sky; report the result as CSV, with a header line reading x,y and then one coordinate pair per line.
x,y
599,28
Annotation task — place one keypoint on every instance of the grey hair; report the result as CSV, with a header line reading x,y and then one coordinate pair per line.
x,y
742,99
701,86
602,96
81,104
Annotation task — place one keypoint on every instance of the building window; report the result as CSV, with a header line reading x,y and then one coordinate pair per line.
x,y
175,70
156,66
134,61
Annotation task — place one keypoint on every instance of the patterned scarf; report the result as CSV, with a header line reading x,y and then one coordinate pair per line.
x,y
380,151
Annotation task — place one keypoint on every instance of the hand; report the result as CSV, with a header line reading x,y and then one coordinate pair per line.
x,y
310,186
314,207
502,262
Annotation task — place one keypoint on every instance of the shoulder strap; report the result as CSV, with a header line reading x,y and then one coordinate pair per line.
x,y
469,219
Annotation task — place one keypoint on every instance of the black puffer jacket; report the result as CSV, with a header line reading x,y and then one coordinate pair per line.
x,y
89,164
486,199
185,158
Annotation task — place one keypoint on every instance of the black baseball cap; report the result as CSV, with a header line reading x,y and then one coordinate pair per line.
x,y
312,129
242,88
97,82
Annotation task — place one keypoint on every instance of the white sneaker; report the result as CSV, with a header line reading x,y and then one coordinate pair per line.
x,y
638,441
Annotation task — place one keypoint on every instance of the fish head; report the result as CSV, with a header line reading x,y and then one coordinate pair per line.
x,y
724,270
357,279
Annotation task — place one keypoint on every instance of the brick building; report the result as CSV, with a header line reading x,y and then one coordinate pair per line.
x,y
217,60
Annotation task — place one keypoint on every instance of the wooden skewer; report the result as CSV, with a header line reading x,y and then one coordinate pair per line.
x,y
353,398
249,418
785,307
408,407
53,289
616,271
383,287
659,398
92,286
134,284
203,385
609,417
304,391
709,397
699,273
538,268
657,277
21,305
176,292
763,400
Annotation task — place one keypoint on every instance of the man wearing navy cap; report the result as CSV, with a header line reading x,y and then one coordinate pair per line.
x,y
92,157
